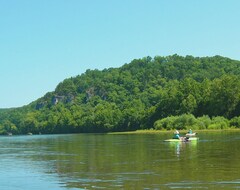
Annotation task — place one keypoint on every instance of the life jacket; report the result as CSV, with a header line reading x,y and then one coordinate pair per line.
x,y
176,136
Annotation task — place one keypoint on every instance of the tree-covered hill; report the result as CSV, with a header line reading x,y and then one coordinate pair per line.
x,y
146,93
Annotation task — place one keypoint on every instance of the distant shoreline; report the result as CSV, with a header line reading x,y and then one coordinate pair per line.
x,y
152,131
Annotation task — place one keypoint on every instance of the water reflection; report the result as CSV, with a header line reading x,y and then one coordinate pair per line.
x,y
92,161
177,147
180,147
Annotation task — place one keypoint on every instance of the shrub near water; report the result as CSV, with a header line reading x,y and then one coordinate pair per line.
x,y
219,123
167,123
235,122
187,121
204,122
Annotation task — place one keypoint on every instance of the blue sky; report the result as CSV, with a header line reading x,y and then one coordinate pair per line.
x,y
42,42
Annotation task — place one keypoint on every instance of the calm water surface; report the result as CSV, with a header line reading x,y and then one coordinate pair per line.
x,y
133,161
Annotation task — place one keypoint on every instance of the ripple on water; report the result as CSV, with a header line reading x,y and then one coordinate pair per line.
x,y
234,184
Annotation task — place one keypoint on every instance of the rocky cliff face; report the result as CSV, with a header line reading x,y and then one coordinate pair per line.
x,y
55,100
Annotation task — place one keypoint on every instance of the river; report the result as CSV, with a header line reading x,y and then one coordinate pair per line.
x,y
120,161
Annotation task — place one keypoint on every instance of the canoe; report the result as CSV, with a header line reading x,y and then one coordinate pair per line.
x,y
191,134
178,140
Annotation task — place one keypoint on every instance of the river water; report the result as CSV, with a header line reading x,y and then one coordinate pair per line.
x,y
123,161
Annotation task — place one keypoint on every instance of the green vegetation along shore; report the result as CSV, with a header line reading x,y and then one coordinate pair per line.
x,y
182,132
163,93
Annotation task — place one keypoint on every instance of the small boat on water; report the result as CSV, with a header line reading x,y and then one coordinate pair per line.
x,y
191,134
182,140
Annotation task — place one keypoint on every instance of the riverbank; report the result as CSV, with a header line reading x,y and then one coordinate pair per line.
x,y
152,131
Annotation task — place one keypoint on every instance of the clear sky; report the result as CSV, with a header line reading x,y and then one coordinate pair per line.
x,y
42,42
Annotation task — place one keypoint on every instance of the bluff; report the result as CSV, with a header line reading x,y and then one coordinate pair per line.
x,y
133,96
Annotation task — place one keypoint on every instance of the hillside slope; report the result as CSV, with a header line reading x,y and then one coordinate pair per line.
x,y
133,96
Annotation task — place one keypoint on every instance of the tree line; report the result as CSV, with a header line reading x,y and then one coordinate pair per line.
x,y
161,92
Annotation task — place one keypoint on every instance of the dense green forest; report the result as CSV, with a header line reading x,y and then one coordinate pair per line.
x,y
161,92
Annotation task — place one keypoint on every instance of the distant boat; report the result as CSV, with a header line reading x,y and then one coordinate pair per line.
x,y
191,134
29,133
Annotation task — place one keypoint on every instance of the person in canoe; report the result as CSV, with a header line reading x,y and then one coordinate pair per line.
x,y
190,133
177,136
